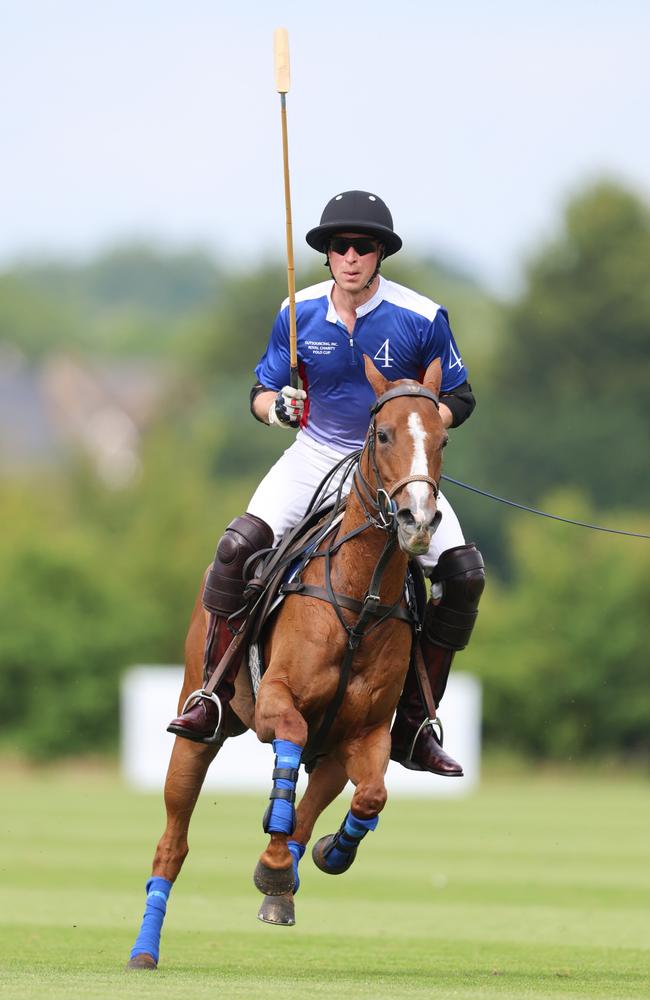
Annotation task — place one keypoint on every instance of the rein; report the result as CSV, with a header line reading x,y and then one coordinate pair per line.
x,y
544,513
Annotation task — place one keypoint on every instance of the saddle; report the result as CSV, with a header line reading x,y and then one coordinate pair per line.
x,y
286,560
271,567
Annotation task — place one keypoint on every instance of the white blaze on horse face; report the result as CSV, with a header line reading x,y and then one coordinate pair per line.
x,y
420,493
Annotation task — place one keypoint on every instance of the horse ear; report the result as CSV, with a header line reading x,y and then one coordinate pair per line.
x,y
433,377
376,379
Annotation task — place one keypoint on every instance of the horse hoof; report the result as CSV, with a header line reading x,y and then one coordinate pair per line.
x,y
319,855
274,881
142,961
278,910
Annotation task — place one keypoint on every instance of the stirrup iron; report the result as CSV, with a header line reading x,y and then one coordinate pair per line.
x,y
435,724
207,696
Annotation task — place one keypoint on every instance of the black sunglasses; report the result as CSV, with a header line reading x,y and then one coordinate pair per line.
x,y
360,244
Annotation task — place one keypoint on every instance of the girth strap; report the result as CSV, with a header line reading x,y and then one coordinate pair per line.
x,y
349,603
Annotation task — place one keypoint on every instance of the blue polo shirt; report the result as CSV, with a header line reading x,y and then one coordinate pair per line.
x,y
402,332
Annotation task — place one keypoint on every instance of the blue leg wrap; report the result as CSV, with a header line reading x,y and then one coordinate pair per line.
x,y
296,851
348,838
280,817
148,940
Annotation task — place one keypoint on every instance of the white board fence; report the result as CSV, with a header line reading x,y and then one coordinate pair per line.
x,y
149,696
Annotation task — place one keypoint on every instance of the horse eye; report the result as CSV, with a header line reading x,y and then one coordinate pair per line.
x,y
382,437
445,442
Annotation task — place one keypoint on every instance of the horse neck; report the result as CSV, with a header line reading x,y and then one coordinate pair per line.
x,y
355,562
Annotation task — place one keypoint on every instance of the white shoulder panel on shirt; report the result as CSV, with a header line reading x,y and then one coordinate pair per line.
x,y
319,291
406,298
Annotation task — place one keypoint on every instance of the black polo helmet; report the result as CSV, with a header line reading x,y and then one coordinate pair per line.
x,y
355,212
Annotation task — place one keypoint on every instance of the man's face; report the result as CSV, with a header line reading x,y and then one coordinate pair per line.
x,y
352,269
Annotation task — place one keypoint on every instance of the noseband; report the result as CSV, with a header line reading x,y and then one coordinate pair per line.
x,y
382,500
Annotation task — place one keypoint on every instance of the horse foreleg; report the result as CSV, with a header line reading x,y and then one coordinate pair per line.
x,y
326,781
187,769
366,759
278,720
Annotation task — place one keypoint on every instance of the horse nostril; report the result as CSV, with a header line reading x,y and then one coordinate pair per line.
x,y
435,521
405,518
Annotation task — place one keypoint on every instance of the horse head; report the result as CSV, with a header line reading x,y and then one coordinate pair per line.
x,y
402,456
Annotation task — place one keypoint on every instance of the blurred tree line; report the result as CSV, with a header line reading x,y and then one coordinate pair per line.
x,y
94,579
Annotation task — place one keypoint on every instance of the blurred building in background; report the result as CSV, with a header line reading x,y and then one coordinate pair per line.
x,y
100,409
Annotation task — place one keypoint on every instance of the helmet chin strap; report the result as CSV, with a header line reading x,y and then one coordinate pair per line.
x,y
380,257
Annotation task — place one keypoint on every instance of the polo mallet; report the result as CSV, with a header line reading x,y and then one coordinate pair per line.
x,y
282,83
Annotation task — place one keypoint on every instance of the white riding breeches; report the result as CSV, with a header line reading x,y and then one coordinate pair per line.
x,y
283,496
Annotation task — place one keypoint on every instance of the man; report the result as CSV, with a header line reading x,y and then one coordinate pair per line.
x,y
357,312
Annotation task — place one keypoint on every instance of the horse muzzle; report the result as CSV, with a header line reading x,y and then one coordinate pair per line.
x,y
415,532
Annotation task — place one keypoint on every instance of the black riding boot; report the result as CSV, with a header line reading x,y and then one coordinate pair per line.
x,y
415,743
446,629
223,597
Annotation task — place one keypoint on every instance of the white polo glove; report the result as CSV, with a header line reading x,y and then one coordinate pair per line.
x,y
287,408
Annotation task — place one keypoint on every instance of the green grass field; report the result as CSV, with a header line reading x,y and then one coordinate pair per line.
x,y
537,886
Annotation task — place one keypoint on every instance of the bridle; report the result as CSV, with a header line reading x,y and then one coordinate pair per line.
x,y
377,496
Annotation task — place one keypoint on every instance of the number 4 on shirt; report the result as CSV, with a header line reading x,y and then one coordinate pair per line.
x,y
458,361
383,355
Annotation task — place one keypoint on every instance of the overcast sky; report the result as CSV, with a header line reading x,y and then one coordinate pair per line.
x,y
158,118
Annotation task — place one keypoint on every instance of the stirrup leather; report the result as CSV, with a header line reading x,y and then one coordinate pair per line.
x,y
207,696
435,724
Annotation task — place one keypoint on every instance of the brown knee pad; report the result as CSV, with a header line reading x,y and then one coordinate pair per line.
x,y
223,593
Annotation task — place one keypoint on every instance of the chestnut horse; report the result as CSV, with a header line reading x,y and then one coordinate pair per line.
x,y
336,653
